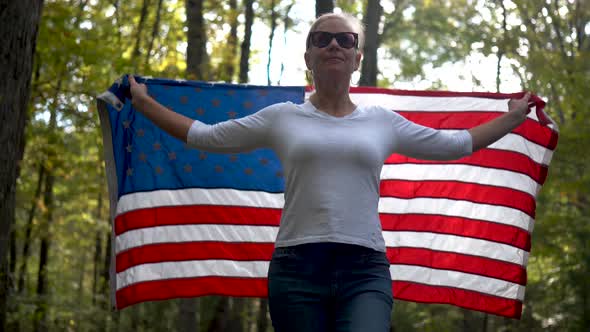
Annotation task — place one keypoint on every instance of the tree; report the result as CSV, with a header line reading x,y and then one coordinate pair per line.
x,y
371,20
323,6
20,24
245,47
196,52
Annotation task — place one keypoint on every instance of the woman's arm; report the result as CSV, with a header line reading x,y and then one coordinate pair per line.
x,y
489,132
235,135
173,123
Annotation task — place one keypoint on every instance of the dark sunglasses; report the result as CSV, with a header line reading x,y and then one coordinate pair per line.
x,y
322,39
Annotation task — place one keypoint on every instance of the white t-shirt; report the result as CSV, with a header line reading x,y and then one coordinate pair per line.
x,y
331,164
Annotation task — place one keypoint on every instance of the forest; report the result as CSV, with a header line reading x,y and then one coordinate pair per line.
x,y
58,55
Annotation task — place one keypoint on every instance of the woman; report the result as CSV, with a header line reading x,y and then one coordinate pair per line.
x,y
329,270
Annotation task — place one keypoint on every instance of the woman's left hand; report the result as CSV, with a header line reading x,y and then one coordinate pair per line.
x,y
520,107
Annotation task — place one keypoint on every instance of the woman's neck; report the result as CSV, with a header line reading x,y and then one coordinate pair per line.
x,y
332,98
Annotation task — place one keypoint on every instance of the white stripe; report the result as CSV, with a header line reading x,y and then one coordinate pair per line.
x,y
188,269
462,173
435,104
267,234
465,209
457,208
516,143
258,269
142,200
457,244
194,233
461,280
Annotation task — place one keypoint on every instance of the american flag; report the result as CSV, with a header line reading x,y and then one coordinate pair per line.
x,y
190,223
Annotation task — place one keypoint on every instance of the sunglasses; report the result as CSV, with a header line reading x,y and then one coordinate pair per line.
x,y
322,39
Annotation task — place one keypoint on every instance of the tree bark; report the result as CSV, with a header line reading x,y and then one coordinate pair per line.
x,y
187,315
273,27
371,20
228,68
18,33
262,312
29,228
245,48
323,6
42,293
196,52
155,30
286,27
136,52
45,224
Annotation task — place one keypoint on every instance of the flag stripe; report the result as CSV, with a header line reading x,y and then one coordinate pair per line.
x,y
509,235
258,269
192,233
190,269
411,291
458,262
186,251
530,130
461,173
267,234
448,278
190,196
489,158
164,289
196,214
455,208
499,214
459,191
456,244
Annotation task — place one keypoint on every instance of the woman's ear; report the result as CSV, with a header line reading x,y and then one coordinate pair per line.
x,y
306,57
357,58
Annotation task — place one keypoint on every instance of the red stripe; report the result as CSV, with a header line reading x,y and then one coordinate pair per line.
x,y
539,103
432,93
190,287
409,291
477,193
530,129
458,262
492,158
500,233
163,252
196,214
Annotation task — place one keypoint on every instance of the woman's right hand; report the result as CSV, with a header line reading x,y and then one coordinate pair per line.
x,y
137,90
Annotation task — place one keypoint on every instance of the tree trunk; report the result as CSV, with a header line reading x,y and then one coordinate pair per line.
x,y
273,27
262,319
287,26
323,6
228,68
45,224
18,33
371,19
245,48
29,228
97,252
42,293
140,25
196,51
187,315
155,30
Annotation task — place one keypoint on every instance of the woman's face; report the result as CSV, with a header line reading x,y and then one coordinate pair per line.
x,y
333,59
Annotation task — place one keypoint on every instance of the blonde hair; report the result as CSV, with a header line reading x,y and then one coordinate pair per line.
x,y
357,26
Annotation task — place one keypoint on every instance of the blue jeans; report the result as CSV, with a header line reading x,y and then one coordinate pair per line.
x,y
329,287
